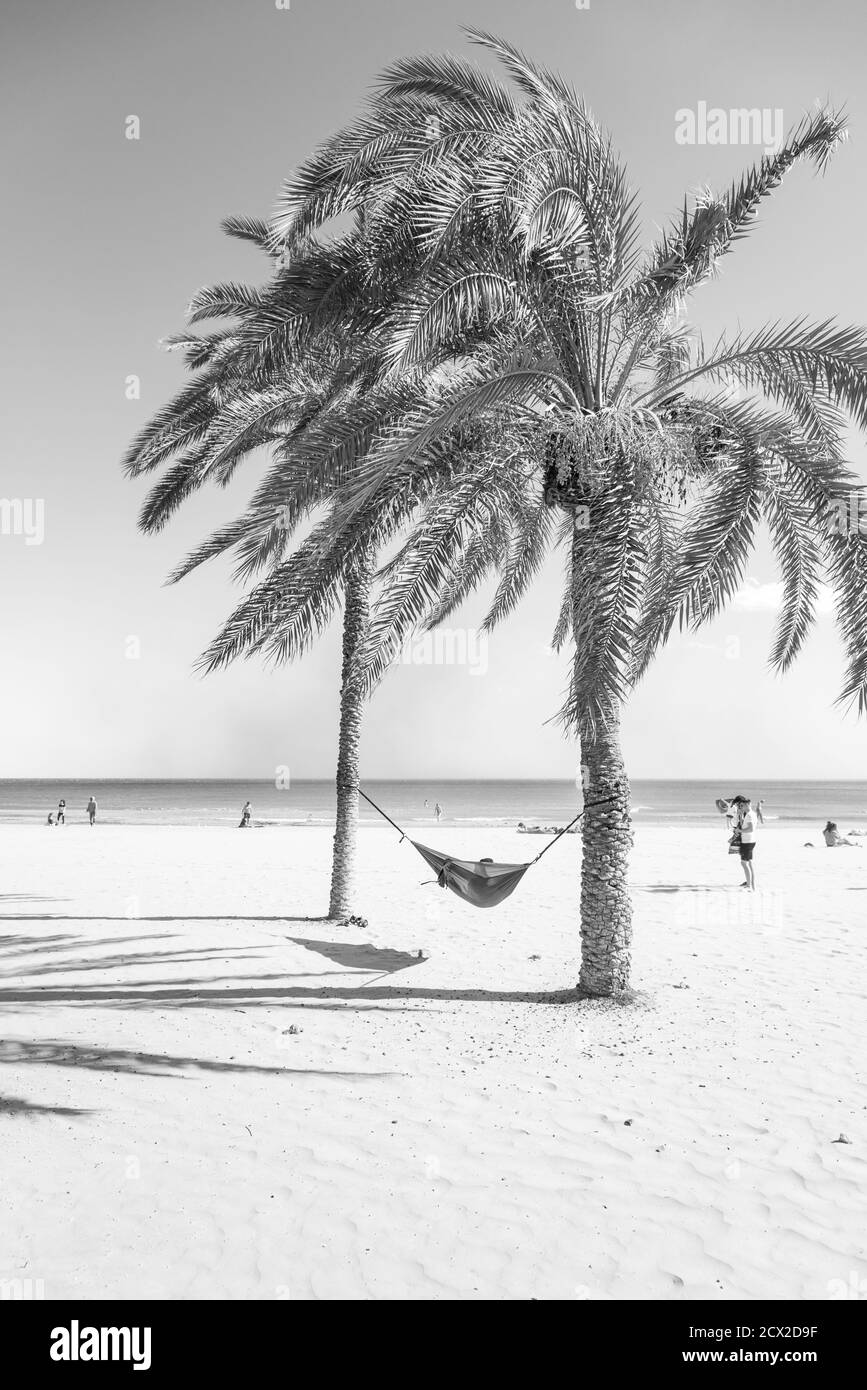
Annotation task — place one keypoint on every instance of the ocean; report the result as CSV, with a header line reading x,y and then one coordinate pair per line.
x,y
492,803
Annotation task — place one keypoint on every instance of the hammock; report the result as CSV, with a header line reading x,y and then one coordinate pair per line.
x,y
482,883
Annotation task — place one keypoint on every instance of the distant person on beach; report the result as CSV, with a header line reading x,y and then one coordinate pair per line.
x,y
759,814
246,816
746,827
438,810
91,809
833,838
61,812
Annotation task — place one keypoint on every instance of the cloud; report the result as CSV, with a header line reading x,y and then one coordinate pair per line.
x,y
755,597
759,598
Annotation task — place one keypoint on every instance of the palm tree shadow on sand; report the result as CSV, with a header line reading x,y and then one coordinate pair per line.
x,y
14,1105
150,917
134,1063
268,990
113,1059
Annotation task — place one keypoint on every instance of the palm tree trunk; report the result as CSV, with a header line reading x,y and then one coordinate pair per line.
x,y
606,908
356,617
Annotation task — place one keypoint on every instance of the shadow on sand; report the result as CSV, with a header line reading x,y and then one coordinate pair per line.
x,y
679,887
361,955
146,917
67,1054
251,996
231,991
30,898
226,992
14,1105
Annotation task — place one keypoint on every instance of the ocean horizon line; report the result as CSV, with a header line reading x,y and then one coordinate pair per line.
x,y
439,781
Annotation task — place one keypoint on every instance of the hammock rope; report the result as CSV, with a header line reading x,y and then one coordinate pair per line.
x,y
482,883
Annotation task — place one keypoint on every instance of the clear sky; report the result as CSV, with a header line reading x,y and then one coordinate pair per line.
x,y
104,241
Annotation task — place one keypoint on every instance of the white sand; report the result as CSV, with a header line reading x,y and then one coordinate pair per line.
x,y
443,1130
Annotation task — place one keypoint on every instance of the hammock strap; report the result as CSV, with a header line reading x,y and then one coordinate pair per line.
x,y
403,835
568,827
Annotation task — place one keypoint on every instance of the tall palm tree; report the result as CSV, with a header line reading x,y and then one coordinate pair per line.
x,y
250,394
300,353
522,298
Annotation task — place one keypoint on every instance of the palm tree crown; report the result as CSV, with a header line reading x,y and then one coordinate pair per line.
x,y
502,291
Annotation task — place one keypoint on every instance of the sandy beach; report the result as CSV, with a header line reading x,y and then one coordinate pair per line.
x,y
208,1091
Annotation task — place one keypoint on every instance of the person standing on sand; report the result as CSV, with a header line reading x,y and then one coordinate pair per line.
x,y
438,810
246,816
746,827
61,812
759,814
91,808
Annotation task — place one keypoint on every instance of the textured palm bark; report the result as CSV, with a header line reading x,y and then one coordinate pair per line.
x,y
606,908
356,618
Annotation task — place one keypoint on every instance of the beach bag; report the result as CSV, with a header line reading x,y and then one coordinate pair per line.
x,y
735,843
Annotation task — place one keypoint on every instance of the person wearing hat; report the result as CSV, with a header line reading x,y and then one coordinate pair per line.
x,y
833,838
745,824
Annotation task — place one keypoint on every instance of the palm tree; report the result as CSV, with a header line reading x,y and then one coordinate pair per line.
x,y
520,297
288,364
248,396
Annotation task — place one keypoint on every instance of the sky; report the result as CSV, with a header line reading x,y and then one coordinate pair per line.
x,y
105,240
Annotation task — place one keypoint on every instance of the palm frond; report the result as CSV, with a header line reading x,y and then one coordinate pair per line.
x,y
528,546
249,229
814,370
800,560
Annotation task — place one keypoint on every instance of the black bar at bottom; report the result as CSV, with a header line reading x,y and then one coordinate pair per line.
x,y
163,1340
